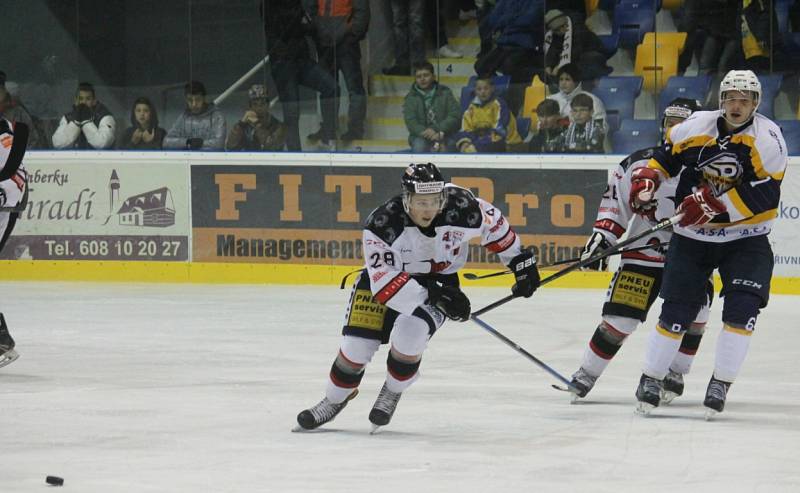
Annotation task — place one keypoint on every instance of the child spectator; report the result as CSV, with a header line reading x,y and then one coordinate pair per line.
x,y
569,85
200,127
549,129
584,134
431,112
257,130
88,126
144,132
487,125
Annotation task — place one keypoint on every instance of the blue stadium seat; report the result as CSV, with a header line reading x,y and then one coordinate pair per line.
x,y
631,21
523,126
770,85
684,87
791,134
501,84
635,134
618,95
610,43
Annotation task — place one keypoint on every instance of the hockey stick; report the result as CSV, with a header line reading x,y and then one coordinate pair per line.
x,y
474,277
516,347
663,224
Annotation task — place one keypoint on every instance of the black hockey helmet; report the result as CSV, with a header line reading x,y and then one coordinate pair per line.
x,y
423,179
678,108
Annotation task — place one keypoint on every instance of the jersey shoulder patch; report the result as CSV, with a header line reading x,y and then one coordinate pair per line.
x,y
388,220
461,209
636,156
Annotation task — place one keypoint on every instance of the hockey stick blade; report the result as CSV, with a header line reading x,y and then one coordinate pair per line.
x,y
663,224
474,277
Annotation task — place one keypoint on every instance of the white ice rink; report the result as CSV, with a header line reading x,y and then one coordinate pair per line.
x,y
193,388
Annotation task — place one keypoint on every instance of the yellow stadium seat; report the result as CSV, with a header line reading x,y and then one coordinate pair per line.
x,y
591,6
670,38
534,94
656,64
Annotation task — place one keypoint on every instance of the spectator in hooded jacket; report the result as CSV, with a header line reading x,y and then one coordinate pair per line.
x,y
200,127
488,125
144,132
569,86
431,112
340,25
89,125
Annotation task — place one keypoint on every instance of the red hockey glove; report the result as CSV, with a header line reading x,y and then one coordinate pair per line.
x,y
644,183
699,208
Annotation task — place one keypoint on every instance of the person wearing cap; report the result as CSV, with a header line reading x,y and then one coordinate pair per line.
x,y
568,41
144,132
257,130
201,126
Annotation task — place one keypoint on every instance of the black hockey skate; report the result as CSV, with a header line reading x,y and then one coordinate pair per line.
x,y
7,353
716,393
582,381
322,413
673,387
648,394
383,409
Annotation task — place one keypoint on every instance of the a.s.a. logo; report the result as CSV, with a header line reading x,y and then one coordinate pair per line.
x,y
722,172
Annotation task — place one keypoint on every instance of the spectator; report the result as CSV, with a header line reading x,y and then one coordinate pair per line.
x,y
550,128
761,40
339,29
257,130
201,126
488,125
569,85
291,66
584,134
144,132
518,49
437,24
88,126
712,28
431,112
409,38
14,110
569,41
484,8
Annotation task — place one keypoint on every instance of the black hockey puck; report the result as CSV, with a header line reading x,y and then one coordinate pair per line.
x,y
54,480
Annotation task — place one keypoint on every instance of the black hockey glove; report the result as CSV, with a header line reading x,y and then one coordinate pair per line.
x,y
596,244
450,300
83,114
526,274
194,143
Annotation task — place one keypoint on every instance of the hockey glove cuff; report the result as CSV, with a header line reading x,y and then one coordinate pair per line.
x,y
450,300
596,244
699,208
526,274
644,184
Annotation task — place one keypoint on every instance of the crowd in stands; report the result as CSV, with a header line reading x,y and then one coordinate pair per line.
x,y
520,41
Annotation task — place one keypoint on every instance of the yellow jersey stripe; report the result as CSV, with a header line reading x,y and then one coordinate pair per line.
x,y
736,330
664,332
737,201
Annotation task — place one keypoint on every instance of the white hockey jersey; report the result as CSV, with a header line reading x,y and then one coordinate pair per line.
x,y
12,187
615,216
743,168
395,249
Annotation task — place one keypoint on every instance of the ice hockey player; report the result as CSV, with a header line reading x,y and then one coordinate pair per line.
x,y
730,164
635,284
13,190
414,245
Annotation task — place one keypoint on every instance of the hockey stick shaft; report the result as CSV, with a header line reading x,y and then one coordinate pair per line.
x,y
516,347
663,224
473,277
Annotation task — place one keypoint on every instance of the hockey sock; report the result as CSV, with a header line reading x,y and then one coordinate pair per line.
x,y
662,346
732,346
603,346
689,345
344,377
400,374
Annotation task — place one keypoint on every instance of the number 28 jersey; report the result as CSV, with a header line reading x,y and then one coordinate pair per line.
x,y
396,249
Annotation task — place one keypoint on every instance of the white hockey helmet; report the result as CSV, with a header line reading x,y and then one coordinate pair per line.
x,y
740,80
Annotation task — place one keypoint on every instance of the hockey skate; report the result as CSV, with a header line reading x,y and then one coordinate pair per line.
x,y
716,393
648,394
673,387
383,409
322,413
7,353
582,381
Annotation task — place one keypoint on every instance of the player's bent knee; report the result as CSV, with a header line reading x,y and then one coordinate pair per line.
x,y
741,309
358,350
410,335
677,317
617,328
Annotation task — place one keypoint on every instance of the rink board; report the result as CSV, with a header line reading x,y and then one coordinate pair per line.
x,y
294,218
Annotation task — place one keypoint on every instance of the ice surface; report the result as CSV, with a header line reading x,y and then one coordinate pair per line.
x,y
194,388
